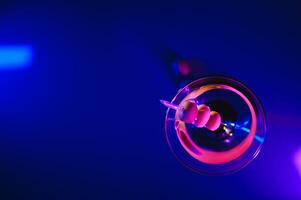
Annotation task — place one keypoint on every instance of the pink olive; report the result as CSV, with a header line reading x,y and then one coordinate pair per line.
x,y
214,121
202,116
188,111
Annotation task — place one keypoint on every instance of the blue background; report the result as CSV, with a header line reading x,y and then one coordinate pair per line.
x,y
83,120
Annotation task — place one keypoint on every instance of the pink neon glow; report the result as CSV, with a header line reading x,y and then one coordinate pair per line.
x,y
184,68
297,160
211,157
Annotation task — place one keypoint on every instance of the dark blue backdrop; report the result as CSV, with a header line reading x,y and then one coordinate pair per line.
x,y
83,121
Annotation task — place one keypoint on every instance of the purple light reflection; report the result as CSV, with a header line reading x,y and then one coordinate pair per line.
x,y
297,160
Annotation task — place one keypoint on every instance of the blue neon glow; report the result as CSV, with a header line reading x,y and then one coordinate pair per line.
x,y
15,56
247,130
259,139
